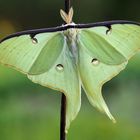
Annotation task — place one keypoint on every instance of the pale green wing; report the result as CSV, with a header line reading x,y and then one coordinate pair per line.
x,y
94,69
32,56
63,76
93,75
125,38
111,47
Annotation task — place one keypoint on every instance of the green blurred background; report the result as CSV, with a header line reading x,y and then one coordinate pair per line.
x,y
31,112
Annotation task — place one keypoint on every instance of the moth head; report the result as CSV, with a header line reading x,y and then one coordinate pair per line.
x,y
67,17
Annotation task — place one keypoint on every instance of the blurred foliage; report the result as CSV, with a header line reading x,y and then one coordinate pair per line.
x,y
27,112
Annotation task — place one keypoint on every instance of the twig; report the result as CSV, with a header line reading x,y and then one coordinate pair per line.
x,y
67,6
63,98
63,118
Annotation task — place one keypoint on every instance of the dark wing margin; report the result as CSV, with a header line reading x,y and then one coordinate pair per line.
x,y
32,33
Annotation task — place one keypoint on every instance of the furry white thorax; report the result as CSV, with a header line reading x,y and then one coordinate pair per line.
x,y
71,39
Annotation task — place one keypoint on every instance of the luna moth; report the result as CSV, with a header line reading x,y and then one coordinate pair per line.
x,y
71,56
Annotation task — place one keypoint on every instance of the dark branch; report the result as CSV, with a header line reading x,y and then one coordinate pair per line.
x,y
63,98
68,26
63,117
67,6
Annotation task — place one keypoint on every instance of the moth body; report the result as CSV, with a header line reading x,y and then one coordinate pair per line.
x,y
71,38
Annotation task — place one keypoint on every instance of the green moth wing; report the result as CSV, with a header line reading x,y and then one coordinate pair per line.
x,y
28,55
124,38
63,76
94,71
47,62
